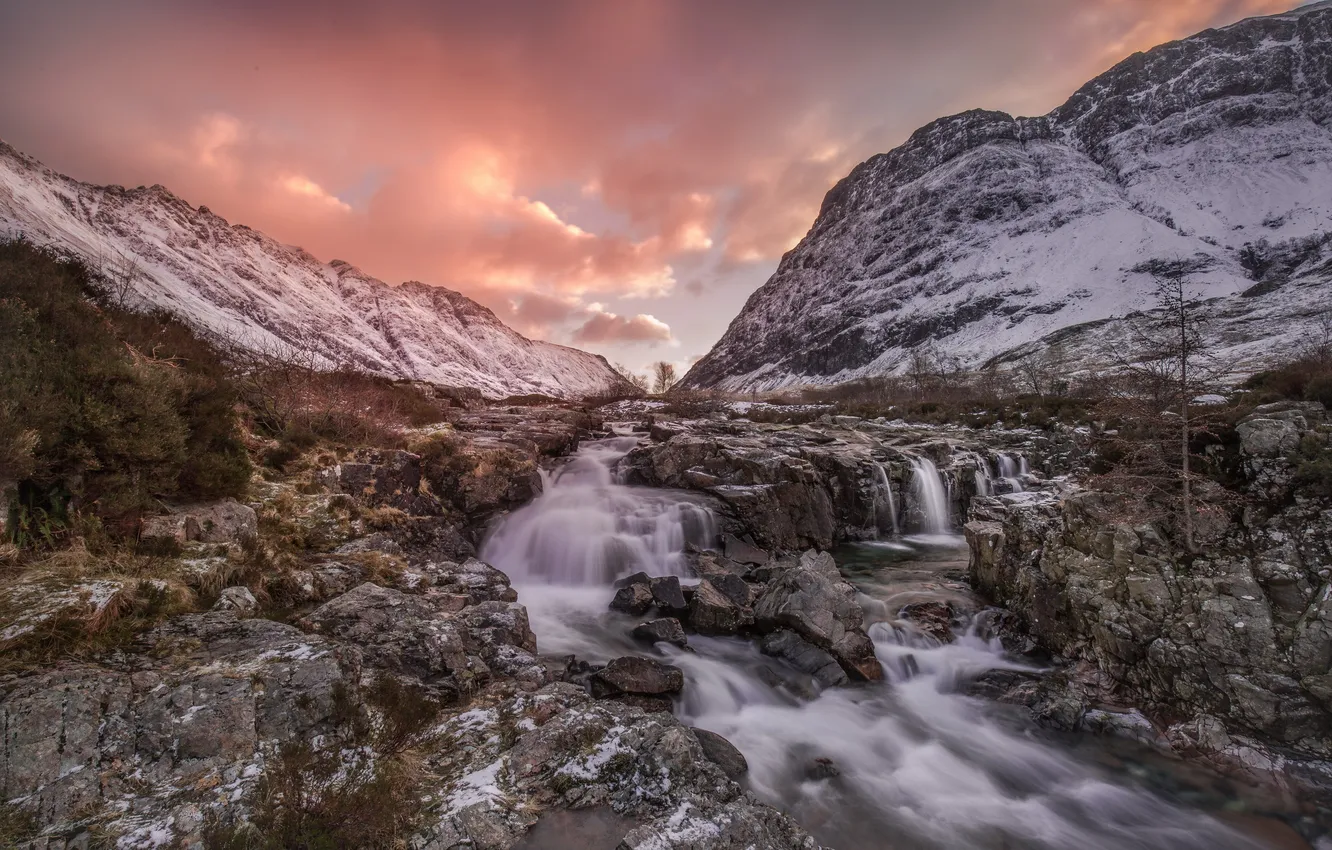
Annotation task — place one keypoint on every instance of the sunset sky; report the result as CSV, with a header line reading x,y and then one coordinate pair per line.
x,y
615,175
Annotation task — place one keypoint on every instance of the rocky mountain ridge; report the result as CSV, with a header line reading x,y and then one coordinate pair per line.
x,y
248,288
985,235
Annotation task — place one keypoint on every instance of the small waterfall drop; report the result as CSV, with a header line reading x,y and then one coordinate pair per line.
x,y
884,489
931,497
984,481
1010,471
586,528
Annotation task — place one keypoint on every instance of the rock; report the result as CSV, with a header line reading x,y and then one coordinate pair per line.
x,y
227,521
650,704
804,656
206,694
664,630
633,675
639,577
633,599
238,600
427,637
377,542
934,618
741,552
823,610
474,580
712,613
723,752
667,595
822,768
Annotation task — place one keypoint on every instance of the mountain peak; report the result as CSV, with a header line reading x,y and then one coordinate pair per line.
x,y
243,286
984,234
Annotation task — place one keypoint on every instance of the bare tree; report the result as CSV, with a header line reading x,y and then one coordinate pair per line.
x,y
639,380
663,377
1167,366
118,272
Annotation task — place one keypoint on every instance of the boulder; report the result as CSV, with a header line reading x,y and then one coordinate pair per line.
x,y
711,612
633,675
809,600
804,656
227,521
238,600
633,599
667,595
639,577
664,630
723,752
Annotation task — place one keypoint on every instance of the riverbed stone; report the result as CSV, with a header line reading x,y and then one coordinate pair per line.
x,y
667,595
804,656
723,752
711,612
631,674
633,599
663,630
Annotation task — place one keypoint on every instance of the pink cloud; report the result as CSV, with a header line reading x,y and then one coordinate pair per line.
x,y
604,328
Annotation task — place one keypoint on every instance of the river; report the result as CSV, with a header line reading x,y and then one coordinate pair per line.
x,y
912,763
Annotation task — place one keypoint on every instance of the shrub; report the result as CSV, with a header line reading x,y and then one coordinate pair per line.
x,y
101,409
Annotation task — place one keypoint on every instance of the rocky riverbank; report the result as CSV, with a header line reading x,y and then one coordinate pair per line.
x,y
1226,649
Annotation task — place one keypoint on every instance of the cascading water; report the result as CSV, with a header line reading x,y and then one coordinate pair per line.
x,y
908,764
588,529
1010,471
984,481
931,497
884,490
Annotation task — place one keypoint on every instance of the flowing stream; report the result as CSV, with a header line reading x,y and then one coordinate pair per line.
x,y
908,764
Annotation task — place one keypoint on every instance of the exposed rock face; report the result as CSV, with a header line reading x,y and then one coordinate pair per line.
x,y
723,752
664,630
711,612
193,710
985,233
811,486
1235,641
236,282
227,521
805,657
634,675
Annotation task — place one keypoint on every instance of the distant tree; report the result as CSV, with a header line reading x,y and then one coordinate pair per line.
x,y
639,380
1043,372
115,274
663,377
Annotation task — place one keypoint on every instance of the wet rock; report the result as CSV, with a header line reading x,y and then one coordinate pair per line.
x,y
711,612
633,675
474,580
667,595
238,600
664,630
639,577
804,656
723,752
633,599
432,538
822,609
741,552
822,768
933,618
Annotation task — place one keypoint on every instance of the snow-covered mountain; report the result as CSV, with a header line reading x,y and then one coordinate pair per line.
x,y
984,235
246,287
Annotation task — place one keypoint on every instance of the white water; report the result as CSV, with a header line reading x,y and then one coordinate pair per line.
x,y
588,529
984,481
919,766
932,504
1011,470
884,488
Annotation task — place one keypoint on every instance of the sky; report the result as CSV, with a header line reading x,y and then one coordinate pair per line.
x,y
617,175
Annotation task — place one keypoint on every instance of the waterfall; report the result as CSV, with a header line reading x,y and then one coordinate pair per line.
x,y
587,529
884,487
984,481
931,498
1010,470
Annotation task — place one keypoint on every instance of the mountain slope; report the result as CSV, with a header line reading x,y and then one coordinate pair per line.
x,y
984,234
244,286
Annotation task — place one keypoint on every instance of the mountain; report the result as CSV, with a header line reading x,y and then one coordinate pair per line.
x,y
985,236
246,287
